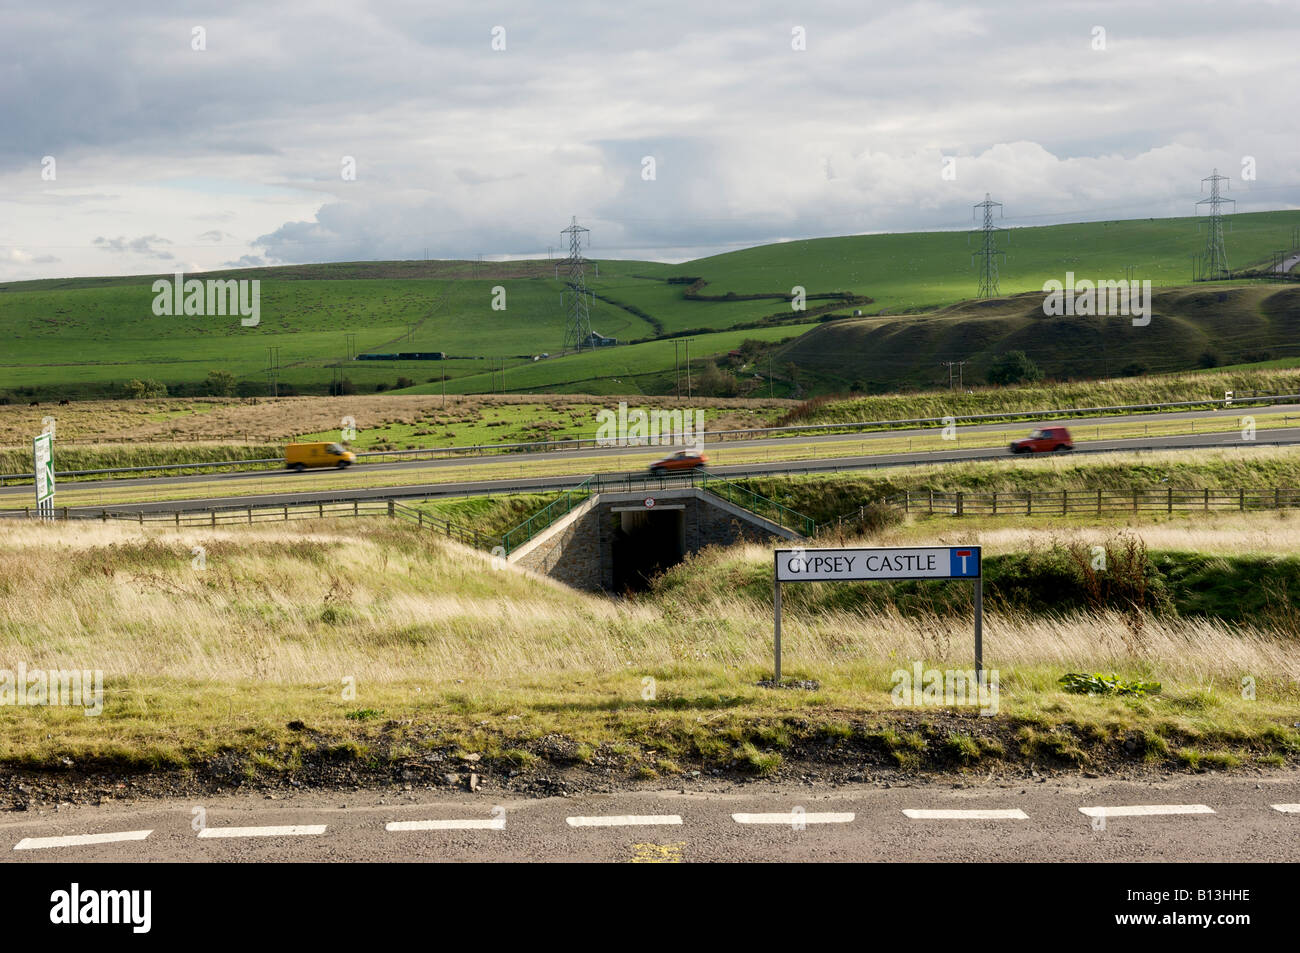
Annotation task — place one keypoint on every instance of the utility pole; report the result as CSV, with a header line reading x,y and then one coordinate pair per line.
x,y
688,368
677,372
771,384
1216,258
950,365
988,247
351,345
444,389
578,328
273,370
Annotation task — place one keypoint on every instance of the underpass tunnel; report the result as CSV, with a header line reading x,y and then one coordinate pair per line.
x,y
644,543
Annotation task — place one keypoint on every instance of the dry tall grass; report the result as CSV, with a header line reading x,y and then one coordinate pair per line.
x,y
310,603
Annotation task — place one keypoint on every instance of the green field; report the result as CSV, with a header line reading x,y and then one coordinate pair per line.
x,y
88,337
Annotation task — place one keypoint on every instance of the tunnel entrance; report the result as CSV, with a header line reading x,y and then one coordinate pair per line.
x,y
645,543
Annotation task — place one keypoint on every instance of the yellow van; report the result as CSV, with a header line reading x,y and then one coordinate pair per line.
x,y
300,456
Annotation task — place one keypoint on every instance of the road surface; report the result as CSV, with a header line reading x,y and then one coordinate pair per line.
x,y
1254,816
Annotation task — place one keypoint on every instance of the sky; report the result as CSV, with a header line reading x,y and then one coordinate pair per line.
x,y
145,138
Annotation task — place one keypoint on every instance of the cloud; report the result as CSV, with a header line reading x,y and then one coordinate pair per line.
x,y
136,246
463,150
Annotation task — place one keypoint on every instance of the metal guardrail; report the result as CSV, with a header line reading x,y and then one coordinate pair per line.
x,y
277,513
560,506
551,446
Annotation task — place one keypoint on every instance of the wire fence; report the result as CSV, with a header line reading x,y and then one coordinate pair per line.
x,y
1093,502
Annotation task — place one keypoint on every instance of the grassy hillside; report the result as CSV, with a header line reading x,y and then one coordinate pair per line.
x,y
79,337
1190,326
244,660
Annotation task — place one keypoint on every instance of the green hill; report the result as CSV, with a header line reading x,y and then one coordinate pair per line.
x,y
88,336
1195,326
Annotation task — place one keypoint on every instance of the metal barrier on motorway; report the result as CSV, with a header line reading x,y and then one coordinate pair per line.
x,y
549,446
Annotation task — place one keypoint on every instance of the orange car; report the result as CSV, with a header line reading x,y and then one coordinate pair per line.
x,y
1047,440
685,460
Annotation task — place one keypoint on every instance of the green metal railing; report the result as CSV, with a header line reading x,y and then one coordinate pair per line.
x,y
548,514
747,499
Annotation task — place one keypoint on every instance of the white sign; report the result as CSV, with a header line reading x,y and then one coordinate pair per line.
x,y
907,562
43,451
911,562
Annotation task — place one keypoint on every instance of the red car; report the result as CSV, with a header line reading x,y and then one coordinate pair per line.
x,y
1046,440
685,460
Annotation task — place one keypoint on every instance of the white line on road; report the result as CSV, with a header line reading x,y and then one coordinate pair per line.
x,y
992,814
1287,808
795,818
624,820
78,840
288,830
1145,810
494,824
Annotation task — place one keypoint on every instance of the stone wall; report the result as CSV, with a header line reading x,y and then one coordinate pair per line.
x,y
577,550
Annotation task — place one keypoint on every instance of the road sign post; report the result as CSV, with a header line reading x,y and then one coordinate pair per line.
x,y
43,457
865,565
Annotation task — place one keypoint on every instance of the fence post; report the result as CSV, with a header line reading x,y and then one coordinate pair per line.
x,y
1241,497
214,517
1029,503
1099,502
103,516
250,516
961,498
178,518
932,502
356,509
907,501
1277,498
1135,500
1171,499
286,512
141,515
420,517
320,510
392,508
1207,500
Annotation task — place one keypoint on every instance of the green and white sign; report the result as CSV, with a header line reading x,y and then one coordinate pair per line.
x,y
43,451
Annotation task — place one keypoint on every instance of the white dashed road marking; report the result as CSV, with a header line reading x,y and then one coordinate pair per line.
x,y
1145,810
495,824
794,818
288,830
624,820
1287,808
78,840
998,814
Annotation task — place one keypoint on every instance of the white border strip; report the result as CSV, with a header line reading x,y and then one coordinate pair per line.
x,y
1286,808
494,824
288,830
624,820
79,840
979,814
793,819
1145,810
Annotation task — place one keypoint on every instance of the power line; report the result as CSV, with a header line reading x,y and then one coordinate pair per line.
x,y
1215,260
577,330
988,248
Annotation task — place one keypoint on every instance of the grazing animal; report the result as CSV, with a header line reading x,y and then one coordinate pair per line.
x,y
35,403
65,402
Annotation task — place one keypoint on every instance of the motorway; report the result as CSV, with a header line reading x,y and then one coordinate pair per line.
x,y
1250,817
297,486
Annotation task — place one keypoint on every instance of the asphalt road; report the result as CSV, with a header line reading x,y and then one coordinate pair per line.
x,y
1290,435
650,454
1062,819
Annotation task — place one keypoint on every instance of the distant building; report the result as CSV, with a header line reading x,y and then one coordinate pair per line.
x,y
599,340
